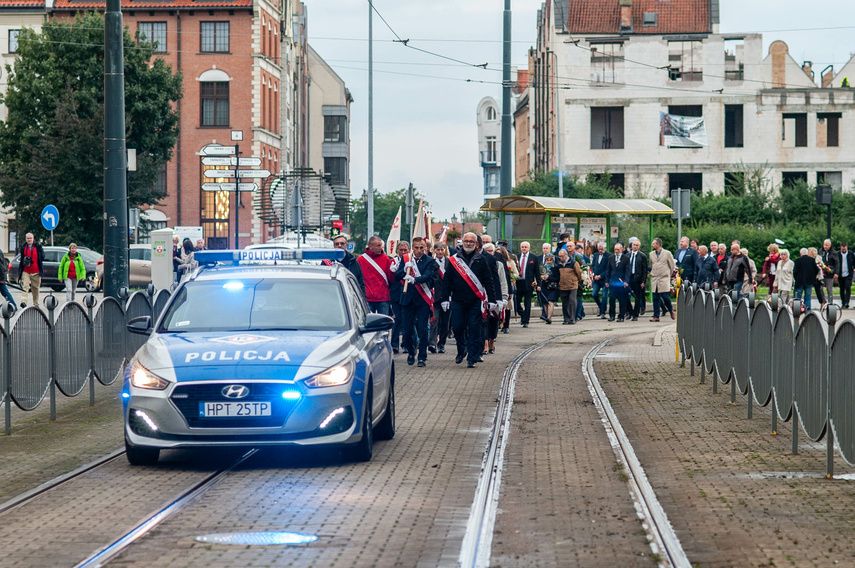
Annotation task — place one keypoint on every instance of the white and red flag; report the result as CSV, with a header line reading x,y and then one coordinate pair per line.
x,y
394,235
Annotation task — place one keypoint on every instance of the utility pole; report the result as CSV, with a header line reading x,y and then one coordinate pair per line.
x,y
115,155
370,205
505,182
558,132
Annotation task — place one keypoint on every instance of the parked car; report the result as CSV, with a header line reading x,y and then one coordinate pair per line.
x,y
51,270
139,269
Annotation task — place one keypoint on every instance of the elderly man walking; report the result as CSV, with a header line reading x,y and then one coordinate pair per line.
x,y
31,269
377,275
831,259
805,272
662,265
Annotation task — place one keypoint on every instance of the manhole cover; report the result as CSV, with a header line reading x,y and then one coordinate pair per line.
x,y
258,538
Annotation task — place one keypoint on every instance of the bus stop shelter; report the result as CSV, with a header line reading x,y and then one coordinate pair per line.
x,y
540,219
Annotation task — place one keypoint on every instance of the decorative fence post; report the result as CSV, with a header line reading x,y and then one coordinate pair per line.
x,y
7,312
797,310
829,431
773,303
51,303
89,301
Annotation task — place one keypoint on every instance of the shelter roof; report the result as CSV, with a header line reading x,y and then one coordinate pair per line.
x,y
540,204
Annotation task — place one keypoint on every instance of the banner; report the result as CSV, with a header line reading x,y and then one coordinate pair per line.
x,y
682,131
394,235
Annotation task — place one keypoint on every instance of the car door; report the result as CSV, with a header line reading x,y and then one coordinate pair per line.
x,y
140,266
51,268
375,346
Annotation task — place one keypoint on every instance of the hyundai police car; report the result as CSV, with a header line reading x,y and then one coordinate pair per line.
x,y
253,351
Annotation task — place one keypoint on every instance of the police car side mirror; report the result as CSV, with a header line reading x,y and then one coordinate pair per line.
x,y
141,325
376,322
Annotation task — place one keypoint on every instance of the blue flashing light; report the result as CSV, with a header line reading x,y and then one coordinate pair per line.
x,y
233,285
291,395
126,395
266,255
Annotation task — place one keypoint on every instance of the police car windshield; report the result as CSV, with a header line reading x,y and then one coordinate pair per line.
x,y
257,304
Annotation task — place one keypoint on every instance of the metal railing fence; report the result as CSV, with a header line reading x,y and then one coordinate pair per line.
x,y
45,349
803,366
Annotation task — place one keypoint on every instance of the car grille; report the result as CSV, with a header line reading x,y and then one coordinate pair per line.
x,y
187,398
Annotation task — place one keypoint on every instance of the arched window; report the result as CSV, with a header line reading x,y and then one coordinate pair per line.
x,y
214,97
491,113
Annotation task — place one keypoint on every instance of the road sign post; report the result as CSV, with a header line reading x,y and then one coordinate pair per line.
x,y
50,219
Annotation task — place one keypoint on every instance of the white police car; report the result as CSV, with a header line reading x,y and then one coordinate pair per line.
x,y
249,353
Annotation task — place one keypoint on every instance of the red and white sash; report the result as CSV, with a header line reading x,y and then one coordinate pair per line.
x,y
470,278
376,267
423,289
442,267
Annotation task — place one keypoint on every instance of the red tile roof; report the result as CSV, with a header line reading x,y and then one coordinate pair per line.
x,y
149,4
24,3
674,16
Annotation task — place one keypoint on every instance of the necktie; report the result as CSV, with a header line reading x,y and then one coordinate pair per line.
x,y
632,268
522,268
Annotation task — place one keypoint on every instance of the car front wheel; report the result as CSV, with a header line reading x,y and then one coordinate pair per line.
x,y
364,450
386,427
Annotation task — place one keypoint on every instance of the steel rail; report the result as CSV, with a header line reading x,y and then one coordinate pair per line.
x,y
107,553
28,496
478,539
663,540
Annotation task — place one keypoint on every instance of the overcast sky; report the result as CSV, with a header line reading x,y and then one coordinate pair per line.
x,y
424,108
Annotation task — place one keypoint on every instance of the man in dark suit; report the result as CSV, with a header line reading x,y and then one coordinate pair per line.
x,y
618,282
600,268
528,283
845,266
419,276
637,272
687,260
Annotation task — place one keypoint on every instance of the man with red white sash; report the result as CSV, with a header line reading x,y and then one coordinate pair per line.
x,y
377,274
467,291
419,273
440,323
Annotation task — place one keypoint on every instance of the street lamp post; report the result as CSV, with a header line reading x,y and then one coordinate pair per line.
x,y
462,221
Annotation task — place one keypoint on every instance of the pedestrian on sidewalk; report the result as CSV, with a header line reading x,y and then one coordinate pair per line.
x,y
568,274
738,270
466,288
784,277
440,323
619,282
805,273
529,282
548,288
494,318
637,278
71,271
513,276
600,268
31,269
583,261
662,265
418,274
831,259
377,274
3,288
847,265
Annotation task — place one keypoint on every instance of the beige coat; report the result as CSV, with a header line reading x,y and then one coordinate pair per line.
x,y
661,268
784,276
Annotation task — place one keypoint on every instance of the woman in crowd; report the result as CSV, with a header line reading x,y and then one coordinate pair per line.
x,y
515,274
748,279
770,266
71,271
817,285
784,276
549,290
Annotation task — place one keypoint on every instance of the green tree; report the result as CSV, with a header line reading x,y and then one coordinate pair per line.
x,y
543,183
51,144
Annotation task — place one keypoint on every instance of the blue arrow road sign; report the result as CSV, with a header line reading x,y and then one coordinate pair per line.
x,y
50,217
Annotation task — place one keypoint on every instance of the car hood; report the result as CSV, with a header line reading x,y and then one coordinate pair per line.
x,y
280,355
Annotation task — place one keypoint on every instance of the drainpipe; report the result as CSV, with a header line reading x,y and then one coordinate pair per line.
x,y
178,149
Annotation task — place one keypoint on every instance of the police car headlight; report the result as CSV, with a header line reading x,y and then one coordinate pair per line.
x,y
142,378
333,377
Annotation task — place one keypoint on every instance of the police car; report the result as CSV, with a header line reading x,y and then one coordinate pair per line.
x,y
256,350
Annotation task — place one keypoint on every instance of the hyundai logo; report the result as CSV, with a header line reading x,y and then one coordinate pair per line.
x,y
235,391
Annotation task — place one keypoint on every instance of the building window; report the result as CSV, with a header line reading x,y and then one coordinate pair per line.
x,y
734,63
160,182
834,179
686,110
215,210
491,113
215,103
617,182
13,41
335,129
684,61
733,126
215,37
794,130
606,128
828,129
337,170
792,178
492,148
606,62
695,182
650,20
734,183
153,33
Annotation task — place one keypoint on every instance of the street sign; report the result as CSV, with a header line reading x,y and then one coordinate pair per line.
x,y
253,173
231,161
228,187
212,150
50,217
220,173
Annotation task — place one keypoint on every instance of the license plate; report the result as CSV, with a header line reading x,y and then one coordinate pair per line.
x,y
234,409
